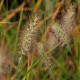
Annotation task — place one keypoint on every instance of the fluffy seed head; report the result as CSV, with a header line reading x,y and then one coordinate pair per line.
x,y
46,62
68,20
41,49
51,41
28,35
60,33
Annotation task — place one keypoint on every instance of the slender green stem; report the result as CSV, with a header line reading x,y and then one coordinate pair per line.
x,y
18,31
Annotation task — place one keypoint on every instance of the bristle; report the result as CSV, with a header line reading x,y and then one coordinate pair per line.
x,y
47,60
41,49
28,36
60,33
68,20
51,41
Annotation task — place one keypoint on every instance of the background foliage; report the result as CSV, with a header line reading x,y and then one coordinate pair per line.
x,y
14,14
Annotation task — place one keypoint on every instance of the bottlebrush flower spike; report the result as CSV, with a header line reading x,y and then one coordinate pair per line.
x,y
68,20
63,30
41,49
52,40
60,33
47,61
28,35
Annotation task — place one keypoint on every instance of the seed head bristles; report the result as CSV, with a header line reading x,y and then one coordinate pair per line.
x,y
60,33
29,35
68,20
47,60
51,41
41,49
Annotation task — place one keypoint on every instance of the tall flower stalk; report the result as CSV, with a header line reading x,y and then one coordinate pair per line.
x,y
68,20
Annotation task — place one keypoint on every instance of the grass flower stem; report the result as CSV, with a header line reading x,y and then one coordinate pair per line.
x,y
18,30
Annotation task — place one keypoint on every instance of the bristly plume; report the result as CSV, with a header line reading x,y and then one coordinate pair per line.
x,y
47,61
41,49
68,20
63,30
51,41
60,34
28,35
